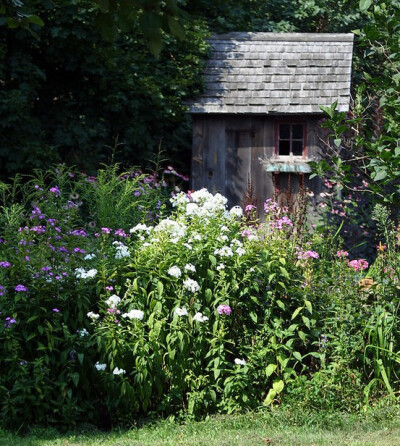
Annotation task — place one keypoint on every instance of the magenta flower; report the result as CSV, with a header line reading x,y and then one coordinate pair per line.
x,y
358,265
105,230
342,253
307,255
55,190
21,288
56,310
5,264
109,288
224,309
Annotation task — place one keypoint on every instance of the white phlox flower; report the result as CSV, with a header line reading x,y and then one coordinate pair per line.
x,y
236,211
199,317
175,271
113,301
180,311
225,251
89,256
122,250
134,314
191,285
141,228
220,267
93,315
83,332
175,230
100,366
118,371
81,273
240,361
190,267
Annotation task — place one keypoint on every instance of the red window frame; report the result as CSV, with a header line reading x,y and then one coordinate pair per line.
x,y
291,123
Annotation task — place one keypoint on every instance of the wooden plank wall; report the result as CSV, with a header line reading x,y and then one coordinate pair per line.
x,y
228,151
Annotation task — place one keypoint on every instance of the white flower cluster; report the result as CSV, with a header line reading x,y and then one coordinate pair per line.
x,y
93,315
122,250
200,203
175,271
100,366
113,301
175,230
83,332
225,251
199,317
134,314
191,285
118,371
236,211
141,228
190,267
240,361
81,273
180,311
89,256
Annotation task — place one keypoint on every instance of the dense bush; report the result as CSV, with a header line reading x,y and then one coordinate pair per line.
x,y
118,305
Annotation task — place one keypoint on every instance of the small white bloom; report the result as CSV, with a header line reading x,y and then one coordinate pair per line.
x,y
89,256
81,273
224,229
134,314
175,271
113,301
83,332
190,267
100,366
191,285
236,242
122,251
240,361
187,246
223,238
236,211
240,252
197,237
225,251
220,267
118,371
180,311
93,315
199,317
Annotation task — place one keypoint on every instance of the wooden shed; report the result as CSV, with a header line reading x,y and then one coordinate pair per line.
x,y
258,116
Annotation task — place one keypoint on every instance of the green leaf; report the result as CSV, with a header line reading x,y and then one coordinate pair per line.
x,y
297,355
302,336
282,260
309,306
284,272
270,397
36,20
213,260
296,312
280,304
75,378
176,28
253,316
337,142
380,174
80,357
364,5
160,288
278,386
270,369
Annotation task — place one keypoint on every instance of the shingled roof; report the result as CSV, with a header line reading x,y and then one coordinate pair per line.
x,y
274,73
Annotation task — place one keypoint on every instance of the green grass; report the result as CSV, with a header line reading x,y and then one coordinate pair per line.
x,y
379,427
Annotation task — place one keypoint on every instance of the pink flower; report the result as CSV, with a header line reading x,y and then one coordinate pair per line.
x,y
358,265
224,309
307,255
342,253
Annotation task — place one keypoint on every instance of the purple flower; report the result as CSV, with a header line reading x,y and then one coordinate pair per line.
x,y
9,321
55,190
78,232
63,249
120,232
38,229
109,288
79,250
5,264
27,258
224,309
45,268
56,310
20,287
105,230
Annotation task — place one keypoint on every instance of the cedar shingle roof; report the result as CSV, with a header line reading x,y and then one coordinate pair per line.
x,y
273,73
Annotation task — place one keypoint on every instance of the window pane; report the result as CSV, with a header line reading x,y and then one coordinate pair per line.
x,y
297,147
284,131
297,131
284,147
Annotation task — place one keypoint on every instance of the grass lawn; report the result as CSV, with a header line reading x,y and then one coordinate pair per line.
x,y
379,427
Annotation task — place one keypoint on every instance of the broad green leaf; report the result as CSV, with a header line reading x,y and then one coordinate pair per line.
x,y
270,369
280,304
364,5
160,288
297,355
278,386
75,378
309,306
270,397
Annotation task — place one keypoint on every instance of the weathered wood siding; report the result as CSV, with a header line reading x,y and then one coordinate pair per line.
x,y
228,152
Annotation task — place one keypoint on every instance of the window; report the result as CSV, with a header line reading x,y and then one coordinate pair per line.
x,y
290,139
